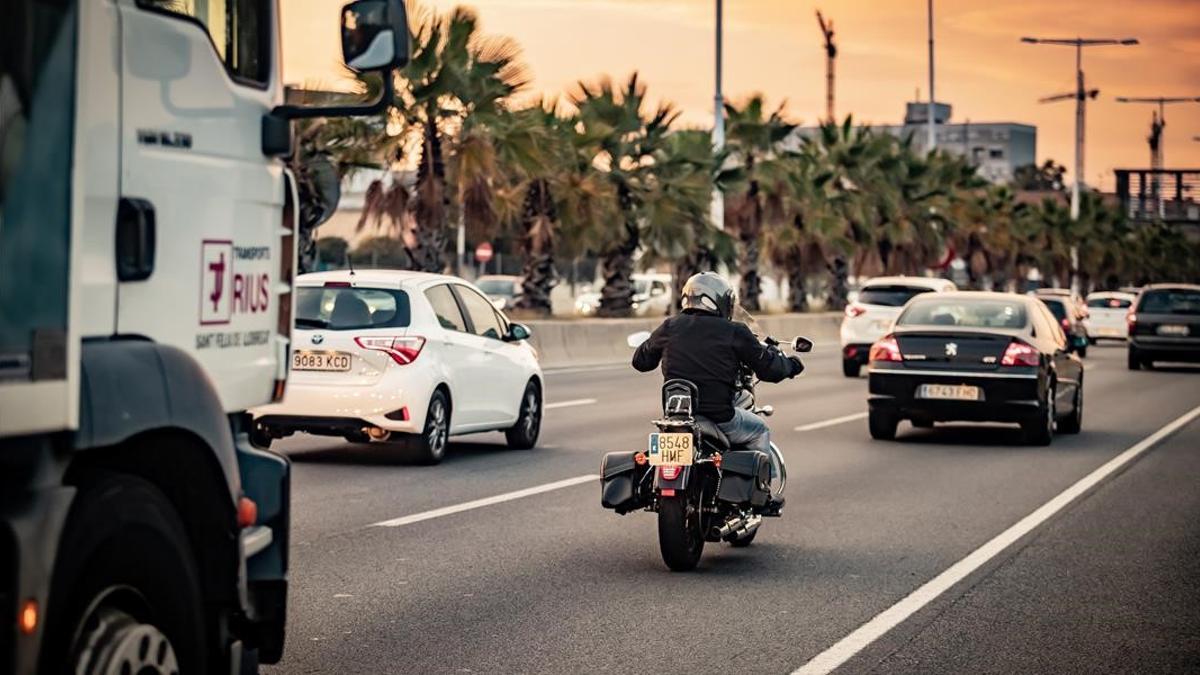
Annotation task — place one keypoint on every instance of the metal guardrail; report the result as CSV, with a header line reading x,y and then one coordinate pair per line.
x,y
1163,195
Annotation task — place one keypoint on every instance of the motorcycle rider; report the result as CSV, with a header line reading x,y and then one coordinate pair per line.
x,y
706,347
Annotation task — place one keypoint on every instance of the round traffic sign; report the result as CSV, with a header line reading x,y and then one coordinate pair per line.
x,y
483,252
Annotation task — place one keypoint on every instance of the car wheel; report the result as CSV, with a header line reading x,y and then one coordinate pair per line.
x,y
431,444
524,434
1083,351
882,425
1133,360
1039,430
850,367
1074,422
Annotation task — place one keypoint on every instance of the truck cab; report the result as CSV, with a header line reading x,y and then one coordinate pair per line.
x,y
147,252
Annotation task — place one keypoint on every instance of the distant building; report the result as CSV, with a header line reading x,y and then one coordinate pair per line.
x,y
996,149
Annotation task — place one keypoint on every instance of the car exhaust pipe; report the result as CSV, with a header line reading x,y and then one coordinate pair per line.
x,y
377,434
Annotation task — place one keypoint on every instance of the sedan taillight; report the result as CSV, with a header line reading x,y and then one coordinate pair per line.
x,y
403,350
1020,354
855,310
1131,321
886,349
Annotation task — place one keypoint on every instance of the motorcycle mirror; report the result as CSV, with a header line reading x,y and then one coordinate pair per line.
x,y
802,344
636,339
766,410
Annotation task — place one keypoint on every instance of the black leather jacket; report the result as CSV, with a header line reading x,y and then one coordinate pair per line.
x,y
708,350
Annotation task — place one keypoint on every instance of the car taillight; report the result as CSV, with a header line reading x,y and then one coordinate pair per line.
x,y
669,472
855,310
1066,324
1131,321
886,349
1020,354
403,350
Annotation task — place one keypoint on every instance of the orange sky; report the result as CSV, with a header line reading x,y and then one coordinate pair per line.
x,y
774,46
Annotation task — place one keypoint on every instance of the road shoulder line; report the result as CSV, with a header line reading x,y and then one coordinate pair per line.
x,y
866,634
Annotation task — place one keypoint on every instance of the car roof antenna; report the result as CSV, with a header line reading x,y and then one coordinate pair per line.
x,y
350,263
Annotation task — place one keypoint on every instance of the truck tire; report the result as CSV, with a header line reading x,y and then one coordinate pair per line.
x,y
125,595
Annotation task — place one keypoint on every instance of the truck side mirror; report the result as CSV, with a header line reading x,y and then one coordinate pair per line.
x,y
375,35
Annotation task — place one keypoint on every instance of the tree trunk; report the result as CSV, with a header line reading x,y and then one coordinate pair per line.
x,y
616,298
537,244
751,280
796,283
700,259
428,253
839,288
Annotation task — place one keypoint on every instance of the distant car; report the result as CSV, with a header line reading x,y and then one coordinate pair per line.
x,y
878,303
501,289
1164,325
1107,314
1070,319
652,295
379,354
975,356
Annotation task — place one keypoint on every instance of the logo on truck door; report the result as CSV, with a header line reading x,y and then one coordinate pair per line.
x,y
216,274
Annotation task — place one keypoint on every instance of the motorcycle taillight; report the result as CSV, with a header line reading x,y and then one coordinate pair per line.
x,y
669,472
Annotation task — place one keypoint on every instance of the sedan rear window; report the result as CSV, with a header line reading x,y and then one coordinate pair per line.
x,y
344,308
1109,303
890,296
1174,301
1056,307
964,313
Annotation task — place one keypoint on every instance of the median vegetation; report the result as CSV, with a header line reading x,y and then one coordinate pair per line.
x,y
602,173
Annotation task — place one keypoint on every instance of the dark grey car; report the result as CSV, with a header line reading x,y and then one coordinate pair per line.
x,y
1164,325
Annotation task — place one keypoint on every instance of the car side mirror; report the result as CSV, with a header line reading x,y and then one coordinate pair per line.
x,y
802,345
518,332
375,35
635,340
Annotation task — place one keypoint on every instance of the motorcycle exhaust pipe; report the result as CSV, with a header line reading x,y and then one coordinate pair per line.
x,y
747,527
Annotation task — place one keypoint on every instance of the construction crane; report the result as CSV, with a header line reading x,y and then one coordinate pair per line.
x,y
1158,121
830,58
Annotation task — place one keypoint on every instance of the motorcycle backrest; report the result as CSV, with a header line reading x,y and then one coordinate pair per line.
x,y
680,398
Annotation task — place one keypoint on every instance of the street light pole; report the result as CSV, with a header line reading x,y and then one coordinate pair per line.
x,y
1081,95
932,98
718,200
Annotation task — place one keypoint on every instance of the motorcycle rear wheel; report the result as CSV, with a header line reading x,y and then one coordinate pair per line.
x,y
680,534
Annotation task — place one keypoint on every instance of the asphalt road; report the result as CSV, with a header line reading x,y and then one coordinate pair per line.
x,y
550,582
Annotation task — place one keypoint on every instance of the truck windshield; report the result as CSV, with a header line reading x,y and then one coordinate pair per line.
x,y
338,308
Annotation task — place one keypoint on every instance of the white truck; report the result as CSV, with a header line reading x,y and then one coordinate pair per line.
x,y
147,250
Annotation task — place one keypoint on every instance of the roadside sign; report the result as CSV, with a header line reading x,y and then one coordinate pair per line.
x,y
483,252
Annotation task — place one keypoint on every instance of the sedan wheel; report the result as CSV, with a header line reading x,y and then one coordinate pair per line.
x,y
1074,423
431,444
1040,429
524,434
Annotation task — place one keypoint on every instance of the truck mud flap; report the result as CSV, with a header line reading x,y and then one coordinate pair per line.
x,y
622,483
745,478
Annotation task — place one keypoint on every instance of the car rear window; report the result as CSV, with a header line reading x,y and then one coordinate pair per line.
x,y
496,286
1174,301
965,313
1109,303
343,308
890,296
1056,307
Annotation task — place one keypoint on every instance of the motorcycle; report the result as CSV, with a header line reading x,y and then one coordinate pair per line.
x,y
702,489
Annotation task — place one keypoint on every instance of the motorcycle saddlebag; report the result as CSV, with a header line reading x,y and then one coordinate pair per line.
x,y
622,485
745,478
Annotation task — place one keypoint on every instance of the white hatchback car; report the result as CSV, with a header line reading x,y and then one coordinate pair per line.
x,y
870,316
1108,314
378,354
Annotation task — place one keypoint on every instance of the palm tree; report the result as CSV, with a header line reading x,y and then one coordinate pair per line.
x,y
757,177
621,140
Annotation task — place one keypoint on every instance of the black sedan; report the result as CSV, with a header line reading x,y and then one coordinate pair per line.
x,y
981,357
1070,316
1164,325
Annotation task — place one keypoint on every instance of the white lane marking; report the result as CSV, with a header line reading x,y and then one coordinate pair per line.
x,y
860,639
831,422
570,404
567,370
486,501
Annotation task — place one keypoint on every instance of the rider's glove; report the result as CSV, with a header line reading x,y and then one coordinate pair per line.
x,y
797,365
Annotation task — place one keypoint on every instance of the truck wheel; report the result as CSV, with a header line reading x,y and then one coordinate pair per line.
x,y
431,444
680,534
851,367
882,425
524,434
125,596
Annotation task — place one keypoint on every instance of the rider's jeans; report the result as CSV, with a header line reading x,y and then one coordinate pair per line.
x,y
747,430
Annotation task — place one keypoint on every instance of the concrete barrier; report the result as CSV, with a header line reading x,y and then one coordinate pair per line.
x,y
598,342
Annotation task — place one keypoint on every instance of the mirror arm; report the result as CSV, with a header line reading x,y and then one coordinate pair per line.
x,y
297,112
